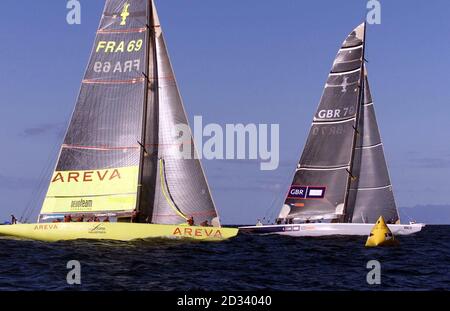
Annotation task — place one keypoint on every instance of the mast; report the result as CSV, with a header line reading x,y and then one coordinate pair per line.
x,y
356,132
149,145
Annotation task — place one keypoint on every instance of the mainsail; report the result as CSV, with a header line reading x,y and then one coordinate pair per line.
x,y
114,152
320,186
371,193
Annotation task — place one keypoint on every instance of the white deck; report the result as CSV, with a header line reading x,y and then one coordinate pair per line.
x,y
329,229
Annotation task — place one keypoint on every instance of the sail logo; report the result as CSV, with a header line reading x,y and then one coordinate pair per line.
x,y
98,229
306,192
81,204
124,14
189,232
87,176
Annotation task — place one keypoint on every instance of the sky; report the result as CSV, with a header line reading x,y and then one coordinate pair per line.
x,y
238,61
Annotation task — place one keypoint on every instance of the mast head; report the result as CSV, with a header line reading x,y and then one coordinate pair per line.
x,y
356,37
155,19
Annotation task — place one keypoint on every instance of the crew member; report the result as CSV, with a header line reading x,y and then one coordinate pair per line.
x,y
190,221
205,224
134,216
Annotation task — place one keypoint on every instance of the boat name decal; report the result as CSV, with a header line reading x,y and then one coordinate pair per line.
x,y
87,176
215,233
46,227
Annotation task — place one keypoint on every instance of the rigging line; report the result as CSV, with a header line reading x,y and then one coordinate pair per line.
x,y
132,14
133,30
131,81
40,188
270,211
92,195
99,148
281,199
373,188
168,197
199,214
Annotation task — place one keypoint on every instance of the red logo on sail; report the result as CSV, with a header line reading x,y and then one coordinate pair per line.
x,y
87,176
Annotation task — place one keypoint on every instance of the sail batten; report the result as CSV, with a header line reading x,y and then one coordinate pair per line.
x,y
323,168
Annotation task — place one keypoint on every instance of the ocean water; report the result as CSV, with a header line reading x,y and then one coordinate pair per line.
x,y
421,262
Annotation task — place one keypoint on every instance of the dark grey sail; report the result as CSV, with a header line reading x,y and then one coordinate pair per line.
x,y
181,187
320,185
371,193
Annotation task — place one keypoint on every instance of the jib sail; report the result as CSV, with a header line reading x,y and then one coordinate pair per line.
x,y
181,187
371,193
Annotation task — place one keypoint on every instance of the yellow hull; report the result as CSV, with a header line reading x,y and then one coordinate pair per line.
x,y
52,232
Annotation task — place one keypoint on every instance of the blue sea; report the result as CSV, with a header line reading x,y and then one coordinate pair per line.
x,y
248,262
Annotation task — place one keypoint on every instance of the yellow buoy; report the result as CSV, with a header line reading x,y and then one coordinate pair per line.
x,y
381,235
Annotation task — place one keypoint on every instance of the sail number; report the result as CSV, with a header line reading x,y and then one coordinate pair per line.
x,y
336,113
328,130
118,67
119,47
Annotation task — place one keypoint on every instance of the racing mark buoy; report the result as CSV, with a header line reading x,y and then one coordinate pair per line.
x,y
381,235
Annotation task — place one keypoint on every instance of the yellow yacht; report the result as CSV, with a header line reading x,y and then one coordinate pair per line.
x,y
128,168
